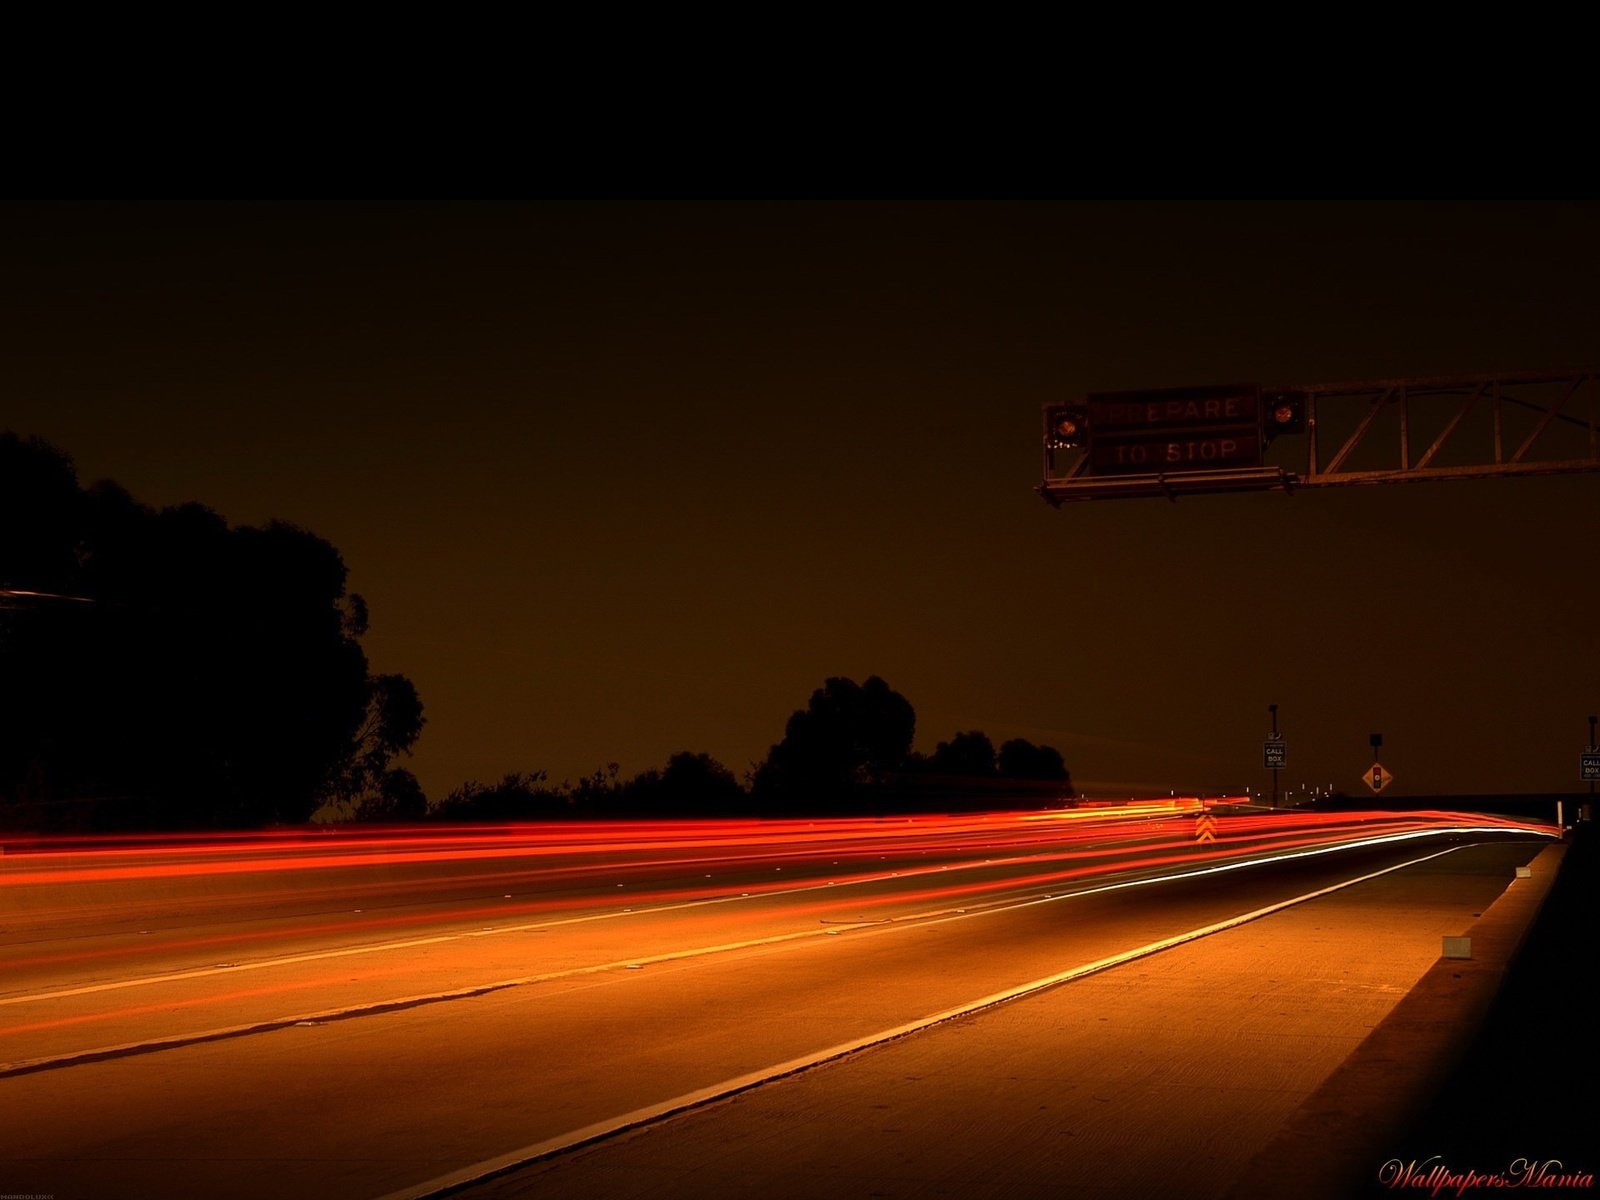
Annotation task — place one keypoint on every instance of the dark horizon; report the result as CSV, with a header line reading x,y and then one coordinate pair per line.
x,y
623,480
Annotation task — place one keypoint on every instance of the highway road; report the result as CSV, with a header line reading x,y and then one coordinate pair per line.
x,y
365,1013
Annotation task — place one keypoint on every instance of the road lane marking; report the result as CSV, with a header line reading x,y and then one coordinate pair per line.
x,y
652,1114
372,1008
410,943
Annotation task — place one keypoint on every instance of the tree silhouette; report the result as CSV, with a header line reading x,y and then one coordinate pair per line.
x,y
966,755
1021,759
838,751
176,671
390,726
692,785
517,797
396,797
40,514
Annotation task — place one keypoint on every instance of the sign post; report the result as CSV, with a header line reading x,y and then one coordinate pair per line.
x,y
1377,777
1274,753
1589,772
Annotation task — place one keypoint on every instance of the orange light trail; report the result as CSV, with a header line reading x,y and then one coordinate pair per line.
x,y
726,872
725,844
210,999
564,869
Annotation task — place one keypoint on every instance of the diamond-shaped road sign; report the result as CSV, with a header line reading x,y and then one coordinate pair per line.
x,y
1377,778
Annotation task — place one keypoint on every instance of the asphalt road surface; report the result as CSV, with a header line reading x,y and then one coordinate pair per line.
x,y
365,1015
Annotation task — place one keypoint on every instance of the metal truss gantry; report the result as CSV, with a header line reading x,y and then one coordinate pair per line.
x,y
1384,431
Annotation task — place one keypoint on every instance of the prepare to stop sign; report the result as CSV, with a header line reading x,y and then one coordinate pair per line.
x,y
1143,432
1155,453
1186,410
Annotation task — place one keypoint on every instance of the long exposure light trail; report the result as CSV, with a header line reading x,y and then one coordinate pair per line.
x,y
1163,858
499,975
973,856
63,881
750,840
41,862
1142,870
1164,867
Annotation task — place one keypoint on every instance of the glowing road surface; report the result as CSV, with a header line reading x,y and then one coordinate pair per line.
x,y
358,1012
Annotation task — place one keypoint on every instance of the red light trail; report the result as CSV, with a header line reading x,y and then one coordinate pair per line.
x,y
566,870
127,948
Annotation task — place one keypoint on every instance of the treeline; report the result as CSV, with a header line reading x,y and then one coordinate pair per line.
x,y
161,669
848,752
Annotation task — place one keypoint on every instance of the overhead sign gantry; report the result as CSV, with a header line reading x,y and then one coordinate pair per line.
x,y
1245,437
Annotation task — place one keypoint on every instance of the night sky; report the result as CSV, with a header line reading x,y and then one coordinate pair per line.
x,y
623,479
